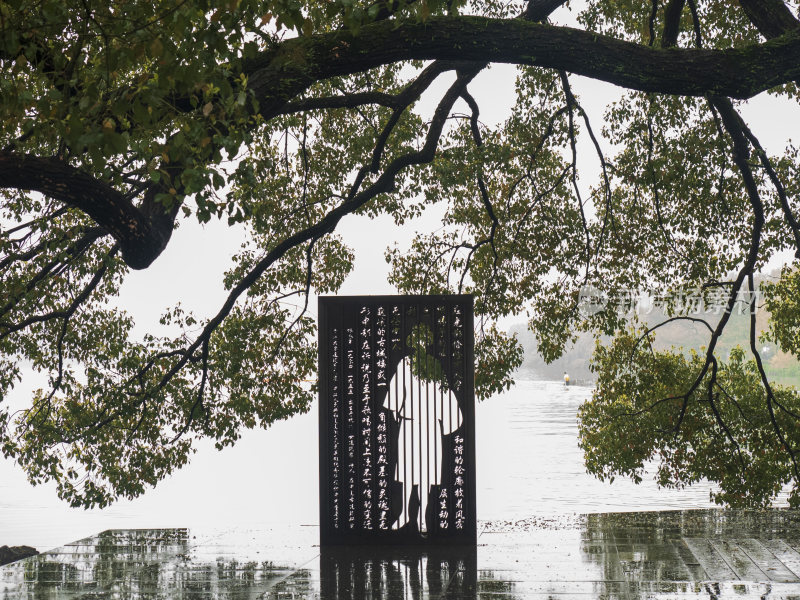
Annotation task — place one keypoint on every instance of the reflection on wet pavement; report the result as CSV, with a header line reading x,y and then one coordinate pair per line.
x,y
679,554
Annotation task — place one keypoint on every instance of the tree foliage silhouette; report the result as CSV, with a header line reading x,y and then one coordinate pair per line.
x,y
121,120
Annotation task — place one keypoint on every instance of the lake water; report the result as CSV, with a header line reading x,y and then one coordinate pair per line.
x,y
529,464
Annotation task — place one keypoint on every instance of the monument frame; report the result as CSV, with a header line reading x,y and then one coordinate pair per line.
x,y
367,344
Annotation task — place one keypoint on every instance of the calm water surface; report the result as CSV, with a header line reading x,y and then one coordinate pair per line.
x,y
529,464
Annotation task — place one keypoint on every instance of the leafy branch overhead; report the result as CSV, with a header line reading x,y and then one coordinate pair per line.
x,y
119,121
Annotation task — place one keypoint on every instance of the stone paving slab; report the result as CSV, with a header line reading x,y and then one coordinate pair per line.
x,y
709,554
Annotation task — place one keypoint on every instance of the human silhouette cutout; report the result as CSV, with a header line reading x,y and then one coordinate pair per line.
x,y
425,412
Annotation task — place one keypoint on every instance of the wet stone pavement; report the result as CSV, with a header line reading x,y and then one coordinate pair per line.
x,y
678,554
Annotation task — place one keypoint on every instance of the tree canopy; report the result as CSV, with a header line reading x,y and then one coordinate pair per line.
x,y
119,121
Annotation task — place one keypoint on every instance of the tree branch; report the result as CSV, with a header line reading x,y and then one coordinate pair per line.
x,y
538,10
772,18
69,254
672,23
384,183
281,73
286,70
484,194
344,101
766,163
771,400
141,236
66,315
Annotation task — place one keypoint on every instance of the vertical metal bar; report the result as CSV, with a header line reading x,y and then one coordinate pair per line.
x,y
374,410
395,432
428,376
437,384
351,333
325,504
420,418
402,345
373,389
372,495
359,393
339,377
469,415
461,366
396,444
449,350
411,393
396,416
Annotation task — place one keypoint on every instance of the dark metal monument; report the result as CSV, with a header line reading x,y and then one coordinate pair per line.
x,y
397,420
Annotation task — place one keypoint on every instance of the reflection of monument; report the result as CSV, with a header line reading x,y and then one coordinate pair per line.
x,y
424,414
384,574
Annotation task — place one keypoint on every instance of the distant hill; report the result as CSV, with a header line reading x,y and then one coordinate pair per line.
x,y
782,367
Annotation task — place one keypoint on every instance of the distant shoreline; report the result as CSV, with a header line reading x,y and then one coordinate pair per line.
x,y
572,382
